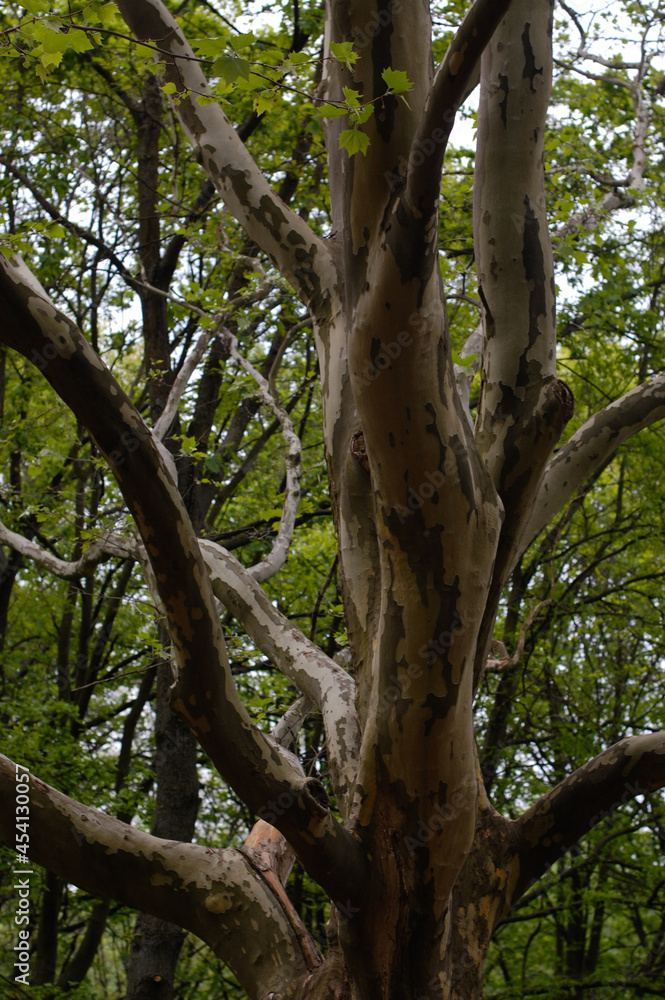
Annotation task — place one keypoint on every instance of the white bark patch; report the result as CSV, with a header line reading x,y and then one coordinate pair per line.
x,y
131,416
159,879
218,902
53,325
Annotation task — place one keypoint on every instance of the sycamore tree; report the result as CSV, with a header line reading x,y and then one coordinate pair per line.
x,y
441,476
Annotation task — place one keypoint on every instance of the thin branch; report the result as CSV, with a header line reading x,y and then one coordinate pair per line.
x,y
181,381
81,231
273,562
107,546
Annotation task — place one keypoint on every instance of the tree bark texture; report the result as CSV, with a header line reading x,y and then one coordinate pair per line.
x,y
432,512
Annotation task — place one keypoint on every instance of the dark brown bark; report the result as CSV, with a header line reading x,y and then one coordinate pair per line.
x,y
46,946
153,958
431,513
75,970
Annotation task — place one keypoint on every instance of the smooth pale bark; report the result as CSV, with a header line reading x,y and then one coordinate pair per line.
x,y
277,556
523,407
217,894
588,450
430,515
105,547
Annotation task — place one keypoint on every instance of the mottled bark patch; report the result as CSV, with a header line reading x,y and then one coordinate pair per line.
x,y
530,71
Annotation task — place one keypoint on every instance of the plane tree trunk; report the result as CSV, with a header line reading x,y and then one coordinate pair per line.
x,y
432,513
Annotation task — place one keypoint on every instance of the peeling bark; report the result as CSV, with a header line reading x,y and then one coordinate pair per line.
x,y
432,515
217,894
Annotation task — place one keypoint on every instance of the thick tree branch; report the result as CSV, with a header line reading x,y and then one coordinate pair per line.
x,y
589,449
300,255
204,693
326,684
517,426
523,407
218,895
632,767
449,89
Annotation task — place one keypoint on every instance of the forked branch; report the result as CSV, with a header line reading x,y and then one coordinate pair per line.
x,y
204,693
449,88
191,885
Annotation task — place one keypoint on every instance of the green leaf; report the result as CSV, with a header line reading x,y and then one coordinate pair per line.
x,y
36,6
331,111
361,115
297,58
252,82
169,88
242,41
107,12
396,80
353,141
210,47
343,52
463,362
50,60
232,68
264,102
51,39
351,96
80,41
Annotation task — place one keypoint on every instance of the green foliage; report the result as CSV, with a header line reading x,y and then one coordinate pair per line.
x,y
592,662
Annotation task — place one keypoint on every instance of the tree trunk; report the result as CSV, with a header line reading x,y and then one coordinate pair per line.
x,y
433,512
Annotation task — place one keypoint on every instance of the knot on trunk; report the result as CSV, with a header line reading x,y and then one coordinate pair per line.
x,y
358,450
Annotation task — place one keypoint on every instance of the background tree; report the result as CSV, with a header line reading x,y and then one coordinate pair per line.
x,y
439,482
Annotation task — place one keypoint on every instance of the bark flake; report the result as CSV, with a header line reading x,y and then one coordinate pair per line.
x,y
530,71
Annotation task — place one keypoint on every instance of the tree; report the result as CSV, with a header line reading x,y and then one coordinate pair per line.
x,y
434,511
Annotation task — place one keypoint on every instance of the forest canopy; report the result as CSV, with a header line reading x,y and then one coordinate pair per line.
x,y
313,581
